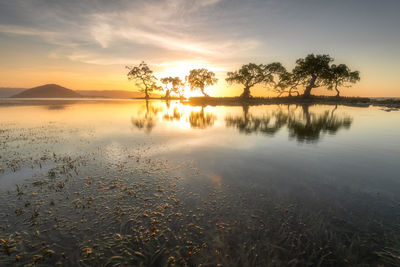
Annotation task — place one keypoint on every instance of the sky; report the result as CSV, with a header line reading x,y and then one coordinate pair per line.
x,y
86,44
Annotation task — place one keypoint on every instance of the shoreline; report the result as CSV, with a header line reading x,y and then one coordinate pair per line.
x,y
389,103
313,100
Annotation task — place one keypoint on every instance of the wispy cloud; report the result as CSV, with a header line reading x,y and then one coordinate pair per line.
x,y
101,34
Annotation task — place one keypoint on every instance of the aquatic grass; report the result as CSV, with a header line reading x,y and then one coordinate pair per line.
x,y
142,210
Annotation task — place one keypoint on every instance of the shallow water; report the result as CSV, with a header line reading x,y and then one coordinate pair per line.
x,y
264,185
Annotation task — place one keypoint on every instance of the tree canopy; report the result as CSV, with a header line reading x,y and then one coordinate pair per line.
x,y
143,77
198,79
173,84
251,74
287,84
315,71
340,75
312,71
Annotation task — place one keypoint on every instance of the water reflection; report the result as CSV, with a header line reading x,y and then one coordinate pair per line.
x,y
265,124
304,126
151,113
175,116
222,192
201,119
310,127
56,107
146,121
300,122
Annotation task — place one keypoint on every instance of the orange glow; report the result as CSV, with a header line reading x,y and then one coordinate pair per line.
x,y
181,68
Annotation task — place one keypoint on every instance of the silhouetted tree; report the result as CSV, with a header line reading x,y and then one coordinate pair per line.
x,y
198,79
340,75
143,77
173,84
251,74
311,72
287,84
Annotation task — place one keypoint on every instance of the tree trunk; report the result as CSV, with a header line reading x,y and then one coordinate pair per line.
x,y
309,87
147,94
337,91
204,93
167,93
246,92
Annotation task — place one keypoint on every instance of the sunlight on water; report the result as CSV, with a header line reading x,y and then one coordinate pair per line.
x,y
155,180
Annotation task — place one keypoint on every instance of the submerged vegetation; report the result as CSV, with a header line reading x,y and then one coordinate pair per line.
x,y
120,203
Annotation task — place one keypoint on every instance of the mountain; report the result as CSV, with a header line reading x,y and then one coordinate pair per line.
x,y
110,93
48,91
7,92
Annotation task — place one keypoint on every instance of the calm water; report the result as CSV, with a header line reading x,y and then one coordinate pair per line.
x,y
130,182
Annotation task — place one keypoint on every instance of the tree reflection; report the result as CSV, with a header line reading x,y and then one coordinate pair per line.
x,y
265,124
200,119
310,127
146,121
175,116
306,127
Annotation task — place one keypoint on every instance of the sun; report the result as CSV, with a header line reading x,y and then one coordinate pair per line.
x,y
181,69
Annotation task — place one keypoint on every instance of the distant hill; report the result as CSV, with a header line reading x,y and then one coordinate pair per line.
x,y
8,91
48,91
110,93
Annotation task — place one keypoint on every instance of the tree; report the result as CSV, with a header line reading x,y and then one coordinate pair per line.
x,y
287,84
198,79
339,75
173,84
251,74
143,77
312,72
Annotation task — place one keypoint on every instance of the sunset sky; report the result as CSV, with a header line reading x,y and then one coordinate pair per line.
x,y
85,44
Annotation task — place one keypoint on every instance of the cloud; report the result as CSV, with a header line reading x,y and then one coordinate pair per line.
x,y
101,33
24,31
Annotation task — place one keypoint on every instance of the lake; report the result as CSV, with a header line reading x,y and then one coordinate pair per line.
x,y
129,182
